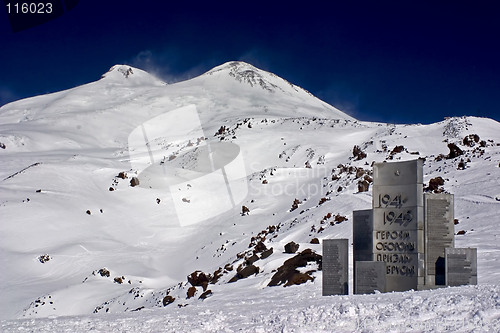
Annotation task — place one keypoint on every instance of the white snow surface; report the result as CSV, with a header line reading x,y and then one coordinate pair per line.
x,y
62,153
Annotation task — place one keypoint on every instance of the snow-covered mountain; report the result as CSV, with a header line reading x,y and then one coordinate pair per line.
x,y
232,166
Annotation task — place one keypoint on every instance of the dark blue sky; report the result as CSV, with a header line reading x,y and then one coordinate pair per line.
x,y
391,61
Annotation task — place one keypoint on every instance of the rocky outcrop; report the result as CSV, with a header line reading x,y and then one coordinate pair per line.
x,y
288,274
434,185
454,151
357,153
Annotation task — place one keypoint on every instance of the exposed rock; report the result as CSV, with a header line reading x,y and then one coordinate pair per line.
x,y
291,247
111,188
461,165
340,218
314,241
323,200
89,212
434,184
221,131
122,175
44,258
216,276
396,150
206,294
454,151
298,278
470,140
198,279
260,247
119,279
358,153
245,272
134,181
252,259
461,232
363,186
266,253
288,274
244,210
191,292
295,204
104,272
168,300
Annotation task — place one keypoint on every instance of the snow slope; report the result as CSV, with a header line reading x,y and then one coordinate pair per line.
x,y
60,197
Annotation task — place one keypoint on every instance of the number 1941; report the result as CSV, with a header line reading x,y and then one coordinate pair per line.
x,y
30,8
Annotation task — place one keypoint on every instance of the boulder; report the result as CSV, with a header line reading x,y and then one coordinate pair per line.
x,y
291,247
206,294
168,300
434,184
252,259
454,151
191,292
134,181
363,186
266,253
198,279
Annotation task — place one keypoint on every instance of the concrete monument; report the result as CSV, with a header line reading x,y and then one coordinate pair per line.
x,y
412,234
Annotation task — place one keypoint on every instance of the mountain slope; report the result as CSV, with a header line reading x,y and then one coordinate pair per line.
x,y
113,247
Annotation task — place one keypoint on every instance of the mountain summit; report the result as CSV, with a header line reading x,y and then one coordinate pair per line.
x,y
123,74
246,73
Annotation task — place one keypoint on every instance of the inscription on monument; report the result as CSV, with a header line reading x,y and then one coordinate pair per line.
x,y
397,217
362,234
335,267
370,276
461,266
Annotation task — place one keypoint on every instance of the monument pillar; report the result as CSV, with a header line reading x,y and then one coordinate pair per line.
x,y
398,223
